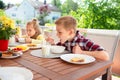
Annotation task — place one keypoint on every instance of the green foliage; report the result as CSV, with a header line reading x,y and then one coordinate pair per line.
x,y
56,3
69,5
2,5
7,28
18,21
2,13
98,15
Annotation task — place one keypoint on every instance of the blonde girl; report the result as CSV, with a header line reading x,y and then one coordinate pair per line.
x,y
33,32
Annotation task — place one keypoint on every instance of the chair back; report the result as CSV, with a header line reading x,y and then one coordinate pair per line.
x,y
107,39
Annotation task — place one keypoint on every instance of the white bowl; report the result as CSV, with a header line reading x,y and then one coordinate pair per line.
x,y
21,40
57,49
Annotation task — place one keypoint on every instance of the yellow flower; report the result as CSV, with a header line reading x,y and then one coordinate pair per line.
x,y
3,18
7,27
18,30
3,28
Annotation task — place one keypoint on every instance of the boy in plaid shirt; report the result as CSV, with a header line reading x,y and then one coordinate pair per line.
x,y
74,41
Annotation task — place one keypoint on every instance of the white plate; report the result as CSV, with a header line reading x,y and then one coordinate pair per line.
x,y
38,53
68,57
14,56
36,47
15,73
21,50
13,44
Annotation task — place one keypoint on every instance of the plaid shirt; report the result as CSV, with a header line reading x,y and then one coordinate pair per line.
x,y
84,43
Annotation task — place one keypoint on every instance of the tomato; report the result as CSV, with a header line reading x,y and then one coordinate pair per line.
x,y
17,49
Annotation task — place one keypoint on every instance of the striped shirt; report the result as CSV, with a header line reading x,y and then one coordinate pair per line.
x,y
84,43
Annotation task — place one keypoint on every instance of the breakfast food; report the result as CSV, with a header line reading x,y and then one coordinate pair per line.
x,y
16,49
77,59
6,54
23,47
31,45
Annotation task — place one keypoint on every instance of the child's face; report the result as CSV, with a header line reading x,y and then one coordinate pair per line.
x,y
62,33
30,30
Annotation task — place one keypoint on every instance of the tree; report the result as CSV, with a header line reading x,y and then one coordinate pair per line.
x,y
69,5
44,11
100,15
2,5
56,3
2,13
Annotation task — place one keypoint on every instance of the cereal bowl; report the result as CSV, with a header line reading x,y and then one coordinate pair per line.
x,y
57,49
22,40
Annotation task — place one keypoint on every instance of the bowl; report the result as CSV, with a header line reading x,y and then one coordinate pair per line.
x,y
57,49
22,40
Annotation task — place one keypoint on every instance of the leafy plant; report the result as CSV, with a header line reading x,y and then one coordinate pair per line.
x,y
101,14
7,28
2,13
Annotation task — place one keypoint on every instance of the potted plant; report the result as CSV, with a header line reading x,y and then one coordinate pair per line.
x,y
7,29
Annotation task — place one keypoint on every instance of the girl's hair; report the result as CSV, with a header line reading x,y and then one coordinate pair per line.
x,y
36,27
68,22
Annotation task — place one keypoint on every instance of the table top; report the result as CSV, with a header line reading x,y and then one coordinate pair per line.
x,y
56,69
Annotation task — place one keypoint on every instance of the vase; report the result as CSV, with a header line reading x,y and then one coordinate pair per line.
x,y
3,45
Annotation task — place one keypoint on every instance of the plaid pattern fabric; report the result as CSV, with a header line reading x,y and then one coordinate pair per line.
x,y
84,43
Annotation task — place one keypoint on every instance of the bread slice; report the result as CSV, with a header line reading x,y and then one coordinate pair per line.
x,y
6,54
77,59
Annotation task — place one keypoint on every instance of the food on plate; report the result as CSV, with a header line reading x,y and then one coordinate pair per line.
x,y
6,54
31,45
77,59
23,47
17,49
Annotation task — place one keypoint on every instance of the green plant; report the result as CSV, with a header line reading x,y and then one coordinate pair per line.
x,y
102,14
2,13
18,21
7,28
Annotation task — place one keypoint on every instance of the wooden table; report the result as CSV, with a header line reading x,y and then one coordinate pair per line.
x,y
56,69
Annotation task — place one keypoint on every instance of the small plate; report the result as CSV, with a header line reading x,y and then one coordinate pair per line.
x,y
15,55
68,57
38,53
18,73
20,47
13,44
34,47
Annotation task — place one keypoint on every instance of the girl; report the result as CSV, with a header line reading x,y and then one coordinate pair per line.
x,y
33,32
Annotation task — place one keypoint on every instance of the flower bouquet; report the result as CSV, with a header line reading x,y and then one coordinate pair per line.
x,y
7,29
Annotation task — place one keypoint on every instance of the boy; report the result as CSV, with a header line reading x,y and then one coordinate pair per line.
x,y
74,41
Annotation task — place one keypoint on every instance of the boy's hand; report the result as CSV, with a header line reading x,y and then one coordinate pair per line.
x,y
50,40
77,49
28,39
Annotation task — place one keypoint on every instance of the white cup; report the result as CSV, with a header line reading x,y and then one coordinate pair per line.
x,y
46,50
12,40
